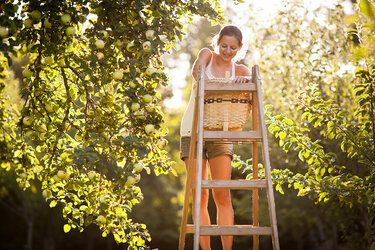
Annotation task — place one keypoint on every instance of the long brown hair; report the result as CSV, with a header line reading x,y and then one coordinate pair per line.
x,y
230,30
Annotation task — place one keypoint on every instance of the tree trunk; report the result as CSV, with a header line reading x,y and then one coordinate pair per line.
x,y
30,228
322,235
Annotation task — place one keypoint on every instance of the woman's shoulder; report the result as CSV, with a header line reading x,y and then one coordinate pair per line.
x,y
205,53
242,70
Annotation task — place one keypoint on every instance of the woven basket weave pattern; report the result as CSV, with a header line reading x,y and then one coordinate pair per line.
x,y
229,109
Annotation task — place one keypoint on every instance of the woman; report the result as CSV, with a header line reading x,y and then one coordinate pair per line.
x,y
219,156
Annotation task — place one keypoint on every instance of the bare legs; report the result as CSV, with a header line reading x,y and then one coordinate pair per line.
x,y
220,169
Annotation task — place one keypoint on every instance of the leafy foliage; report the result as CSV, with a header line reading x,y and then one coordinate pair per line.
x,y
90,120
333,134
319,77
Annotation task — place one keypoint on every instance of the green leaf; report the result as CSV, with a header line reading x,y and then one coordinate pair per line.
x,y
282,135
304,115
330,124
322,195
366,8
310,161
288,121
67,228
322,171
302,192
53,204
331,135
306,154
300,155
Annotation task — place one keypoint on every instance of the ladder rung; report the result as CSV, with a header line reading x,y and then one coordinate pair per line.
x,y
224,87
230,230
231,135
234,184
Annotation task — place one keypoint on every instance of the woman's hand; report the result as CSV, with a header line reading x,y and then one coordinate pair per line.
x,y
242,79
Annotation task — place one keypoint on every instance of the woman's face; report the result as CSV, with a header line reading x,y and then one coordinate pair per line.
x,y
228,47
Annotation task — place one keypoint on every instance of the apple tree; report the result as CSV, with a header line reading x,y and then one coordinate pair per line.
x,y
90,121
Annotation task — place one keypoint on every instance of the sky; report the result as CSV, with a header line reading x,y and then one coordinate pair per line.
x,y
265,10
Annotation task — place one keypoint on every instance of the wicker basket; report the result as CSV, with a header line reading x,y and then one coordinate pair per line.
x,y
229,111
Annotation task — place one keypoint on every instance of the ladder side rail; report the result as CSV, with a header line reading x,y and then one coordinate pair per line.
x,y
267,164
193,141
199,158
255,198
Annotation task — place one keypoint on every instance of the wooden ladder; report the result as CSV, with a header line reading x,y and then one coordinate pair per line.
x,y
253,137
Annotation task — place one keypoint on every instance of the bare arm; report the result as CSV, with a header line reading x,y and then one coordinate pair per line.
x,y
243,74
203,58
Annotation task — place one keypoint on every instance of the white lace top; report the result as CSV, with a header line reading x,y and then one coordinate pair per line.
x,y
187,119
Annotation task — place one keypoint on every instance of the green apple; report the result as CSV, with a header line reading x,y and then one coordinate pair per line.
x,y
27,73
61,174
147,98
130,181
118,75
91,175
146,46
62,62
65,19
27,121
47,194
56,178
150,34
130,47
99,44
70,31
149,129
49,108
48,60
162,143
118,44
135,106
105,33
47,23
137,167
101,219
77,137
100,55
132,84
137,178
36,15
28,23
150,71
3,31
23,175
67,176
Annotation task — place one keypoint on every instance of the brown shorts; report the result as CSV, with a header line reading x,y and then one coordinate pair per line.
x,y
210,149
